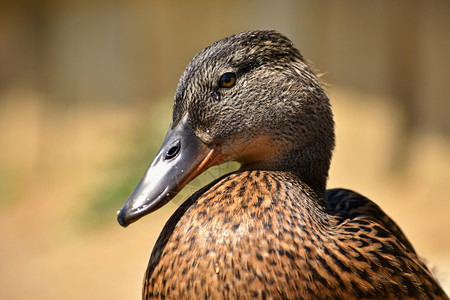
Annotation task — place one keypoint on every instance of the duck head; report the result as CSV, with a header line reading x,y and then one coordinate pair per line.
x,y
249,98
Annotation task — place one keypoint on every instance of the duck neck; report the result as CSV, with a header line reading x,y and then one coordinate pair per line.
x,y
309,165
311,170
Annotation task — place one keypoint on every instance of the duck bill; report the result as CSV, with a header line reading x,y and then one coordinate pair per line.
x,y
181,158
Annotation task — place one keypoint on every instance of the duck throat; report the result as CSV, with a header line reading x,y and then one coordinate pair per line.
x,y
310,165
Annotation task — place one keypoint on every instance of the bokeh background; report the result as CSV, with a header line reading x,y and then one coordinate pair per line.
x,y
86,90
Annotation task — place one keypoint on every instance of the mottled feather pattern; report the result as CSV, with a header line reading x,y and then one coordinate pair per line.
x,y
261,234
350,205
270,230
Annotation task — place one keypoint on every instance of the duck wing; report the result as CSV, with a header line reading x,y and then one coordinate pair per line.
x,y
360,219
350,205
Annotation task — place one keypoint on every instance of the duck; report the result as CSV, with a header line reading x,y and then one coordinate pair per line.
x,y
271,229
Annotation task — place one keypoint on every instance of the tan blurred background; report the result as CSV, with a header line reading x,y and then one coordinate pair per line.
x,y
86,90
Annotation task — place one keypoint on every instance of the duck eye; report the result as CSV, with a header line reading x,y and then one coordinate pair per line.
x,y
227,80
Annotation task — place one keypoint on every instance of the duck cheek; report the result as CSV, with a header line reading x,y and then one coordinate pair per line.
x,y
247,149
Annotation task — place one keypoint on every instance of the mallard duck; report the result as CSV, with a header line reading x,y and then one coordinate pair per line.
x,y
269,229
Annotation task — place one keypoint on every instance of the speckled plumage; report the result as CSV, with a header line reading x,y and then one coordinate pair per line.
x,y
270,230
264,234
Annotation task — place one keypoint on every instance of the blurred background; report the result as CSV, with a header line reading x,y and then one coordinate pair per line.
x,y
86,90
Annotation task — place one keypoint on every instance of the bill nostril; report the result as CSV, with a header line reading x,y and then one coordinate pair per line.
x,y
173,150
